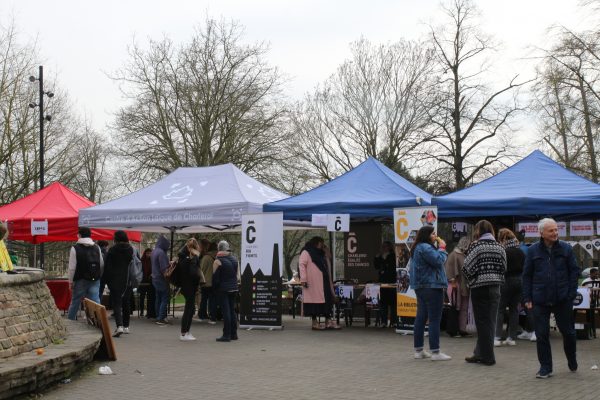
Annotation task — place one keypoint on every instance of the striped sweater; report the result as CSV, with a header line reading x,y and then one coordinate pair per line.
x,y
485,263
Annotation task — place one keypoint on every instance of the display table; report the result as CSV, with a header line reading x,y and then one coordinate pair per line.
x,y
61,292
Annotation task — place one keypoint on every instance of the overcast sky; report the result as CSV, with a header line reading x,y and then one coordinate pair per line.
x,y
81,41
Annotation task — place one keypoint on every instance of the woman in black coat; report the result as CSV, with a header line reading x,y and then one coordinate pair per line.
x,y
117,273
189,276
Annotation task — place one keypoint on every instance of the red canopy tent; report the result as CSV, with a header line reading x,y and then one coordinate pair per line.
x,y
60,206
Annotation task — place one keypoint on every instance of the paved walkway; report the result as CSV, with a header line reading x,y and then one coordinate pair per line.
x,y
297,363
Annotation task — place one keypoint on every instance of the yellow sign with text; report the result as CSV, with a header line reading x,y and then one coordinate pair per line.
x,y
406,304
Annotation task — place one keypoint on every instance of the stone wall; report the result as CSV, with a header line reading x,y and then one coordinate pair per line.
x,y
29,318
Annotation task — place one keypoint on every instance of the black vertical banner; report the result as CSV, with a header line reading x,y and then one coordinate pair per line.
x,y
260,303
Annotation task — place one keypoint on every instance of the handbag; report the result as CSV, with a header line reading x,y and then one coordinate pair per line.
x,y
168,274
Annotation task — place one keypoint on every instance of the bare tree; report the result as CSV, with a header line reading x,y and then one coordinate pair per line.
x,y
89,171
371,106
574,58
210,101
472,120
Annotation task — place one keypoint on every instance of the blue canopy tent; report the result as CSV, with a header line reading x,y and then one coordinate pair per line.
x,y
369,191
534,186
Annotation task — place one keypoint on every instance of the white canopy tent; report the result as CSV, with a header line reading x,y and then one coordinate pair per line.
x,y
202,199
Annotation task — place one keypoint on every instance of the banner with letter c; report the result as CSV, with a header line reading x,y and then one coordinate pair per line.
x,y
408,221
261,264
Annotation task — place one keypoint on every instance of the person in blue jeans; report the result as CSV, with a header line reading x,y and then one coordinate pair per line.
x,y
428,279
85,269
160,263
550,278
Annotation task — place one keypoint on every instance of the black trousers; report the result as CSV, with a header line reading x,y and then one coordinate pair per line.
x,y
227,302
189,293
387,299
563,313
121,303
485,301
147,299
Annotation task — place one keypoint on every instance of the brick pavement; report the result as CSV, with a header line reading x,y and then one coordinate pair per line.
x,y
355,363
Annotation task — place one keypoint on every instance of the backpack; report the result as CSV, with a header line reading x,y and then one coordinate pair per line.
x,y
88,262
135,272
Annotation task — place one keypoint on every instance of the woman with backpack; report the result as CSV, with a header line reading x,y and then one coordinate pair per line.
x,y
117,275
190,276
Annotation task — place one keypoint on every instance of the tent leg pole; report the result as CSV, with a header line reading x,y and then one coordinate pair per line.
x,y
172,229
333,256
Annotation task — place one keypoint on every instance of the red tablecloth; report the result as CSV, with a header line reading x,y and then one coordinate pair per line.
x,y
59,288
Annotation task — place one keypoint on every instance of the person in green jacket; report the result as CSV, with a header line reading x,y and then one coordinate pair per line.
x,y
208,299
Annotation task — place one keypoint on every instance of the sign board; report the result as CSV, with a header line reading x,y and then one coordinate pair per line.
x,y
582,300
39,227
531,229
338,222
582,228
361,244
407,304
372,293
95,314
345,291
262,254
459,229
408,221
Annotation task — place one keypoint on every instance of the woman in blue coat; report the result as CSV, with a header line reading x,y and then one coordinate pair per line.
x,y
428,279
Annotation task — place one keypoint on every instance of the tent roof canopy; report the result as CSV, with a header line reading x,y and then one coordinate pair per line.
x,y
188,199
371,190
534,186
56,203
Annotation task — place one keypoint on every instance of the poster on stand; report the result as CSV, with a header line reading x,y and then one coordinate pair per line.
x,y
372,294
406,303
262,254
408,221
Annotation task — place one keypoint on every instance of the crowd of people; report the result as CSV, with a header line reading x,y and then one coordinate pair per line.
x,y
496,273
204,267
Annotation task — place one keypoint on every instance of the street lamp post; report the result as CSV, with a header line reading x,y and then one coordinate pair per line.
x,y
43,118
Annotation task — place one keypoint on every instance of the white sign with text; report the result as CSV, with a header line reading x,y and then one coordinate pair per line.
x,y
338,222
39,228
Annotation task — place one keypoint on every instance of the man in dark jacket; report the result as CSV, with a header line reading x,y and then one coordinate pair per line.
x,y
225,282
160,263
549,286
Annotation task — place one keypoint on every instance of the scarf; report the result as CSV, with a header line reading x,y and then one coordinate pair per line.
x,y
318,258
487,236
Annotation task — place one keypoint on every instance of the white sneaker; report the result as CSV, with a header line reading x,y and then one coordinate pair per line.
x,y
497,343
440,357
126,330
533,338
118,331
525,335
187,337
211,322
510,342
422,354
